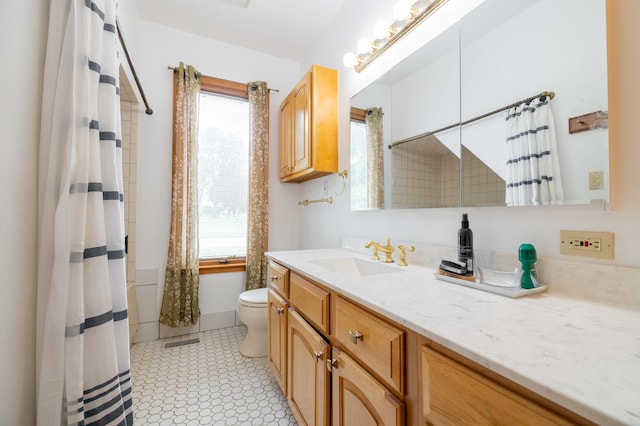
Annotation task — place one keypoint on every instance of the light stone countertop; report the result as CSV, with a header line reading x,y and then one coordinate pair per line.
x,y
583,355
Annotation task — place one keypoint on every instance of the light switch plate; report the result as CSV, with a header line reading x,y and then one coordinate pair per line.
x,y
596,180
587,243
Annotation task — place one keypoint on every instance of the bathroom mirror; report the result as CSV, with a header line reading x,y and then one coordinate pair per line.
x,y
502,52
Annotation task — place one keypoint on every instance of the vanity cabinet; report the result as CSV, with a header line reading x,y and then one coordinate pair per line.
x,y
309,127
344,365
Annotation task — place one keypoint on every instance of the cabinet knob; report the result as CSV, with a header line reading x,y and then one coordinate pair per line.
x,y
280,310
274,277
318,355
355,336
331,363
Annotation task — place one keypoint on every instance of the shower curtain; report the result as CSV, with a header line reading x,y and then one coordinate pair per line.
x,y
533,172
82,347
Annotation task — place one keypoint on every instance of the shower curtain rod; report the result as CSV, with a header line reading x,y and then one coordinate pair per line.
x,y
148,110
252,87
471,120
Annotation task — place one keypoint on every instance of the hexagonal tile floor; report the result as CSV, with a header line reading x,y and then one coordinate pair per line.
x,y
205,383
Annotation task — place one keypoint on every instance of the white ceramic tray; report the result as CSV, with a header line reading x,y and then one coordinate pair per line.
x,y
502,291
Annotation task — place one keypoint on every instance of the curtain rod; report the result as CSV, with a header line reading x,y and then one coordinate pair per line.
x,y
253,87
471,120
148,110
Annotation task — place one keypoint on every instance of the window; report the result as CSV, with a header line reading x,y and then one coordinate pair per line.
x,y
358,160
223,175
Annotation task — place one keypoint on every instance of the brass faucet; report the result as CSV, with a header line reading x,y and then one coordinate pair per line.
x,y
386,249
403,255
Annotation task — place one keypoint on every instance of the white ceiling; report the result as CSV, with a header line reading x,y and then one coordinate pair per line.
x,y
283,28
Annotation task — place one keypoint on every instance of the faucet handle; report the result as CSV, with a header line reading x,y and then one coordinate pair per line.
x,y
403,255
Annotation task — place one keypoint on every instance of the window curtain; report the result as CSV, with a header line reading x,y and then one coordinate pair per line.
x,y
533,171
258,223
375,158
82,343
180,302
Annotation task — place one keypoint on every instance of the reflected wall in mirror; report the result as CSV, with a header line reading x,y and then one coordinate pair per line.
x,y
502,52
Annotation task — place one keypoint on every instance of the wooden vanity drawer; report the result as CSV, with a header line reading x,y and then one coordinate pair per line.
x,y
310,301
278,279
377,343
453,394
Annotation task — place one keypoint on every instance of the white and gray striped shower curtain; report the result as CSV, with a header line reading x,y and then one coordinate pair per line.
x,y
82,348
533,172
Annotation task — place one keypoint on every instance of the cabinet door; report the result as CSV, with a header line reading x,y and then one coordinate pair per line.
x,y
308,378
301,132
277,353
453,394
286,137
359,399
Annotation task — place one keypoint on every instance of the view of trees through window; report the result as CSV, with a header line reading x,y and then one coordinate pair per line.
x,y
358,165
223,175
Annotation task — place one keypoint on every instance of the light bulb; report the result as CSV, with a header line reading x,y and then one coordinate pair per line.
x,y
349,59
381,30
364,45
402,10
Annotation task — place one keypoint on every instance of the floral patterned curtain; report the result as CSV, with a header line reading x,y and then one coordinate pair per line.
x,y
181,285
258,233
375,158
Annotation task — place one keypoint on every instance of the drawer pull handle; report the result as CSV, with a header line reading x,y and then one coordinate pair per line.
x,y
274,277
280,310
318,355
355,336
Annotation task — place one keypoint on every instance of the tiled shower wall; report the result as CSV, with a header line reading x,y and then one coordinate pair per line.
x,y
481,186
421,180
129,113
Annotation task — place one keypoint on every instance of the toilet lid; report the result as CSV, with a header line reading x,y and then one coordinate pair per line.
x,y
254,297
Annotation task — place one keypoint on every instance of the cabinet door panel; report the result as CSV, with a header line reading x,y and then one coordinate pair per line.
x,y
286,138
301,136
359,399
308,378
277,338
456,395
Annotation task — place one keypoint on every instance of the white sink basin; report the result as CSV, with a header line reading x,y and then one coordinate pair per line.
x,y
356,267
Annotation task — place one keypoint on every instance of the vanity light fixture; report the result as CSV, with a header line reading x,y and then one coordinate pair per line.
x,y
407,16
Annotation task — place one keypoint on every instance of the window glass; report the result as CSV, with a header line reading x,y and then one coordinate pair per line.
x,y
223,175
358,165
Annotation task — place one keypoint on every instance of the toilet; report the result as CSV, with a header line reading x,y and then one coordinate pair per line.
x,y
252,311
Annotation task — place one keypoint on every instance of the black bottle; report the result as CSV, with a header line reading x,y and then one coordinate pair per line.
x,y
465,244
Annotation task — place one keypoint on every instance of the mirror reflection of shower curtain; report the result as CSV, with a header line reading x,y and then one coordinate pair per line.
x,y
533,171
375,158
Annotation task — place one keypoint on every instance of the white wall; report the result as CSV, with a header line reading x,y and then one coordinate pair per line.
x,y
23,28
160,47
502,228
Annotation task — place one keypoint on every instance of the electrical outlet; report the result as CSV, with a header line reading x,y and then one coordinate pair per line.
x,y
325,188
587,243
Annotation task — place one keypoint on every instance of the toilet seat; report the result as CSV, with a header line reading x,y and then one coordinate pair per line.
x,y
254,298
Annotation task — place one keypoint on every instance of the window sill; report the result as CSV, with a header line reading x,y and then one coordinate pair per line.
x,y
213,266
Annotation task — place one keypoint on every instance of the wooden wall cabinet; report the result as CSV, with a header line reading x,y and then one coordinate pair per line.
x,y
309,127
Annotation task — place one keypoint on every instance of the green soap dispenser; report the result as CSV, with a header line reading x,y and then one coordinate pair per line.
x,y
527,256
